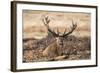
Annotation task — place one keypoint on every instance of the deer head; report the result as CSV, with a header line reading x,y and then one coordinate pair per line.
x,y
59,38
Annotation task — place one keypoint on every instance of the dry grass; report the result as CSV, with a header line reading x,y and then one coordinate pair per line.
x,y
76,48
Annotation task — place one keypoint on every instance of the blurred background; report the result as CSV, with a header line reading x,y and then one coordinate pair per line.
x,y
33,26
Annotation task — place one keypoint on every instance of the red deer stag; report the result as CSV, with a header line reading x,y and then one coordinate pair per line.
x,y
54,50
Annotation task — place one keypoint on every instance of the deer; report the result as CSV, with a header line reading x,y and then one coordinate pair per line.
x,y
55,49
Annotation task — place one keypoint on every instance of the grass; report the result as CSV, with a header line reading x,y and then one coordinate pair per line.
x,y
76,48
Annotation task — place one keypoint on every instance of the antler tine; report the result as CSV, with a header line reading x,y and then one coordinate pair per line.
x,y
46,21
64,32
58,31
73,27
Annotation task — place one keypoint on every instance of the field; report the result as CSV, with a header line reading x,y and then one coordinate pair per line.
x,y
75,48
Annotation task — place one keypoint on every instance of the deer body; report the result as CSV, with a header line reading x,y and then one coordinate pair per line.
x,y
53,50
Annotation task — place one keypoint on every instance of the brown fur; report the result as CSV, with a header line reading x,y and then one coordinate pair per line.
x,y
53,50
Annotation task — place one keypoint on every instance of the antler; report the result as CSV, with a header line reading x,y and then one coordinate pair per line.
x,y
46,21
74,25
